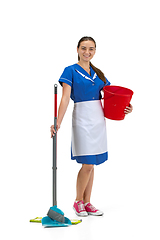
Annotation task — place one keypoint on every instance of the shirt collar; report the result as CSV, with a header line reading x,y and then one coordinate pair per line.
x,y
86,76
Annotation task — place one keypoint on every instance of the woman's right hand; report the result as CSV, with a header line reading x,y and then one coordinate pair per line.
x,y
62,108
52,130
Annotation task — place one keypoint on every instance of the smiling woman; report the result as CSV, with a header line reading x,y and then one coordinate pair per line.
x,y
86,50
83,82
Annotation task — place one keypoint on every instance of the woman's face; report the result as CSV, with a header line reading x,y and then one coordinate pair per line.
x,y
86,50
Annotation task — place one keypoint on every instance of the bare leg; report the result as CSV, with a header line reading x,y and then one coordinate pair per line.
x,y
88,190
83,181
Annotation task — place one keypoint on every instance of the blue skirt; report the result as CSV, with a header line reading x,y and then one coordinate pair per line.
x,y
91,159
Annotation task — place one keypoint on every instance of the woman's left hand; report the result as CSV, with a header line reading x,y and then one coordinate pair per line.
x,y
128,109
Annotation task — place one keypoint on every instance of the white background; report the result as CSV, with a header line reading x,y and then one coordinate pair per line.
x,y
38,40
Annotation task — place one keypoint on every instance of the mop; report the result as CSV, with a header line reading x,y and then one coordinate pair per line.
x,y
55,217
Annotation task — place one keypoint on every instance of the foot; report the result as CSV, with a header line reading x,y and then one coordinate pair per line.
x,y
91,210
80,209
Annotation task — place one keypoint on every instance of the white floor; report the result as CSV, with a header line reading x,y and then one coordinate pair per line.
x,y
119,222
131,207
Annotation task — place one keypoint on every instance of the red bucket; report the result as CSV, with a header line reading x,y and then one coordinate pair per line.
x,y
116,99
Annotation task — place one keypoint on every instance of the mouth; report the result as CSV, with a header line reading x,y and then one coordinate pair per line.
x,y
86,56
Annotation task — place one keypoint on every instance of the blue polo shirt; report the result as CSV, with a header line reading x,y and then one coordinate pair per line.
x,y
83,86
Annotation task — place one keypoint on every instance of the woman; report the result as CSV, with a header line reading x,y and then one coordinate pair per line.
x,y
83,83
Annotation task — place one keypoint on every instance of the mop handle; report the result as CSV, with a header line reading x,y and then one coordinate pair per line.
x,y
55,100
55,149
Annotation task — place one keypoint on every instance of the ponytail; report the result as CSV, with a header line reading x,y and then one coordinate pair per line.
x,y
99,73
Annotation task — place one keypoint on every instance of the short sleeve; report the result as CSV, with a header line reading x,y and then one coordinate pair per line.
x,y
107,82
66,76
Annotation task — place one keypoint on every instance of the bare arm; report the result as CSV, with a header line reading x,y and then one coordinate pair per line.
x,y
62,107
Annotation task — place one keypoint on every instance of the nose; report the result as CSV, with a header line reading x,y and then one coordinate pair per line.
x,y
87,51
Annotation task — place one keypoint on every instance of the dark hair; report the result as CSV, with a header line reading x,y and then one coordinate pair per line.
x,y
98,71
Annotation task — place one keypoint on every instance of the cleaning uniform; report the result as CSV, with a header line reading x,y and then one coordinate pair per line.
x,y
89,138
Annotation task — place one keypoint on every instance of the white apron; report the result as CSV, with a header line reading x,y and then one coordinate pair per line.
x,y
88,129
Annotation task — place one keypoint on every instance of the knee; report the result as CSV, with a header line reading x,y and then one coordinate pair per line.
x,y
87,168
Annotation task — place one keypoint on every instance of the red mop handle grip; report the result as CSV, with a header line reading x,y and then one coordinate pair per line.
x,y
55,100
